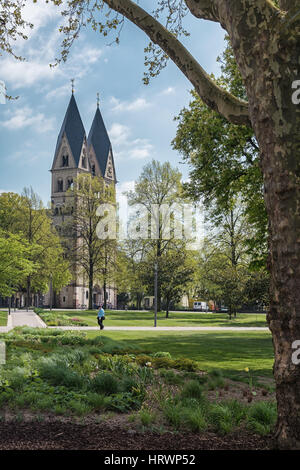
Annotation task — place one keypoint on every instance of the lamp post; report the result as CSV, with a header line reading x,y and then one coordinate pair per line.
x,y
51,292
155,294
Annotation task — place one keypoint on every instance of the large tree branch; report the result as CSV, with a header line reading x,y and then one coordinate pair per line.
x,y
233,109
217,10
205,9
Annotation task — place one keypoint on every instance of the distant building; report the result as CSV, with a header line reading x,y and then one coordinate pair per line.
x,y
75,154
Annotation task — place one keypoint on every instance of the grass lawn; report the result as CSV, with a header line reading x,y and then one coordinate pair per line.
x,y
136,318
3,318
232,352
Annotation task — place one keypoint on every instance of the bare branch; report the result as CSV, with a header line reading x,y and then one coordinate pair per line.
x,y
233,109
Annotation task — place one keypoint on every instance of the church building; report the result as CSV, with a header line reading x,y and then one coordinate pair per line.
x,y
77,153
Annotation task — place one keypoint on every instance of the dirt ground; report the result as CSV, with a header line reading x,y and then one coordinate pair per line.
x,y
63,435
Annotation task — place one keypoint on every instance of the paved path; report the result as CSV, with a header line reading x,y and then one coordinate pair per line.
x,y
162,328
24,318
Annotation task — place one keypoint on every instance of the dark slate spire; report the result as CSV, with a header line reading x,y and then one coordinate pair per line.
x,y
99,139
74,130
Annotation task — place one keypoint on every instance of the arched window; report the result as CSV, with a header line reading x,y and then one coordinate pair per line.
x,y
65,160
93,170
60,185
83,162
70,183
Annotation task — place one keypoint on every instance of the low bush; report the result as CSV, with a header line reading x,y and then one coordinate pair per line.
x,y
262,417
147,417
162,354
105,383
192,389
194,419
58,373
170,377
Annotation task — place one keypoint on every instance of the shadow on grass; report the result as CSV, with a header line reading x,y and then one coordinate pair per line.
x,y
232,352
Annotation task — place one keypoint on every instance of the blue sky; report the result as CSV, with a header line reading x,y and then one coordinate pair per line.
x,y
139,118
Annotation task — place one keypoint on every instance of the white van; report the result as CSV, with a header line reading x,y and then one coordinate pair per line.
x,y
201,306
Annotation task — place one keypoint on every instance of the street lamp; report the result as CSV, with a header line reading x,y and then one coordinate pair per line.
x,y
155,294
51,291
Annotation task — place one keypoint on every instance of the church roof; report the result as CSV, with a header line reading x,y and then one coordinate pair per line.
x,y
99,139
73,127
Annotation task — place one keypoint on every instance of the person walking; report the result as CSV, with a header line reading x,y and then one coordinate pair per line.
x,y
101,317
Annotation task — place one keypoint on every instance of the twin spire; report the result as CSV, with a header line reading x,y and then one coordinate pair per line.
x,y
98,142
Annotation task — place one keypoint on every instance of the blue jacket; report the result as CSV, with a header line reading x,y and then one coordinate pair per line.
x,y
101,313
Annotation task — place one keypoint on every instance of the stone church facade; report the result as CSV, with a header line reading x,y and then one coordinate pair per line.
x,y
78,153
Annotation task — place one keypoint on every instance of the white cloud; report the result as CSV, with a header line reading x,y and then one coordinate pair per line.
x,y
25,117
40,14
59,92
141,153
168,91
36,70
136,105
125,147
119,133
26,74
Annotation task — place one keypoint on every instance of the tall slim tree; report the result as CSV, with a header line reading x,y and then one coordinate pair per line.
x,y
157,191
85,247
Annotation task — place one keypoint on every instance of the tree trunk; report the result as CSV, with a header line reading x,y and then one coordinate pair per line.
x,y
167,307
277,128
91,285
28,287
269,72
104,293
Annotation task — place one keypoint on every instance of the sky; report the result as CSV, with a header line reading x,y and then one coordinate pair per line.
x,y
139,118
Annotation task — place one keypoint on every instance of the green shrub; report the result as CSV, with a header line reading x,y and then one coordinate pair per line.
x,y
215,382
192,389
124,402
96,401
38,311
58,373
173,414
170,377
162,354
262,417
147,417
79,408
195,419
105,383
129,383
186,364
18,377
220,417
44,403
145,375
216,373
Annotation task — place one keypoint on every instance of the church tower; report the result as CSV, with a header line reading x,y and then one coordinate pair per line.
x,y
75,154
100,150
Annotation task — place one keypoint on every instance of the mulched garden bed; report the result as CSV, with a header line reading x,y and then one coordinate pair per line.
x,y
58,435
